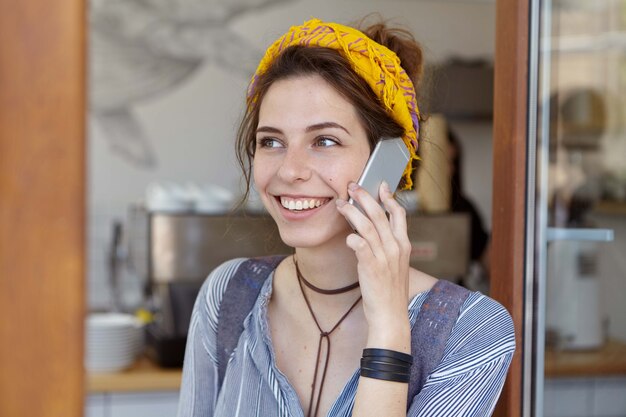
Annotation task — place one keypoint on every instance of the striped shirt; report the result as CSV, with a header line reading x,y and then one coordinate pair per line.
x,y
467,381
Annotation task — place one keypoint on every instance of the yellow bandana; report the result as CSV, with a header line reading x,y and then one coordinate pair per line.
x,y
376,64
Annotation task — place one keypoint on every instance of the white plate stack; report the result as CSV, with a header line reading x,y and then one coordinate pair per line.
x,y
113,341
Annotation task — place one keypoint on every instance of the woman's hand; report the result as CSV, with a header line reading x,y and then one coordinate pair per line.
x,y
382,248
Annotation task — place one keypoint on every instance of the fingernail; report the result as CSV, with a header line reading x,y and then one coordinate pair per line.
x,y
340,202
385,186
353,186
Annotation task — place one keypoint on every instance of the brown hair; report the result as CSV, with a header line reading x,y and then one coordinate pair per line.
x,y
336,70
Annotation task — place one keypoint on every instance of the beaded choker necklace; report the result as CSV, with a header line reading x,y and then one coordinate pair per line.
x,y
323,335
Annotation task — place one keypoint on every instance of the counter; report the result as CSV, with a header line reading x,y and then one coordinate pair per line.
x,y
144,375
610,360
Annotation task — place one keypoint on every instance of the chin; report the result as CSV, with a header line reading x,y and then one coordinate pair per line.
x,y
312,237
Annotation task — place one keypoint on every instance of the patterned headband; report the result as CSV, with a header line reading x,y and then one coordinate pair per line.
x,y
376,64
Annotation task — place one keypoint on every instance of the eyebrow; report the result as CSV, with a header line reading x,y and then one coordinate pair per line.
x,y
312,128
268,129
325,125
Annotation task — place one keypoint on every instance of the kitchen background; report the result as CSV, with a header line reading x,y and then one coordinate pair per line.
x,y
167,84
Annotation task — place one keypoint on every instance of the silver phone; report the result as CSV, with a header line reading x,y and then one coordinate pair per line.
x,y
386,163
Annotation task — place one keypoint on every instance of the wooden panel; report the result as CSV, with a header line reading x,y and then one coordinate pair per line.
x,y
509,180
42,204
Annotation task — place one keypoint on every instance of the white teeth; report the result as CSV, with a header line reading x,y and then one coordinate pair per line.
x,y
300,204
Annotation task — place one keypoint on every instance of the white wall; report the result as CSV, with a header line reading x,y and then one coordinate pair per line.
x,y
476,141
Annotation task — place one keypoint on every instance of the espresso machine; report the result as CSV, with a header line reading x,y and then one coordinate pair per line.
x,y
174,252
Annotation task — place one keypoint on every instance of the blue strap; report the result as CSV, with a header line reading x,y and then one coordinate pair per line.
x,y
241,293
429,335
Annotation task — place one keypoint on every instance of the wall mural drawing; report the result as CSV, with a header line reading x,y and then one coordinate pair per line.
x,y
140,49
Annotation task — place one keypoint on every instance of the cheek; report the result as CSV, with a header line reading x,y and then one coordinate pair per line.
x,y
259,174
255,173
340,179
260,166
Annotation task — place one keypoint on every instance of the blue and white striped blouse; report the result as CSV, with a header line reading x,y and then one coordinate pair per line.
x,y
467,381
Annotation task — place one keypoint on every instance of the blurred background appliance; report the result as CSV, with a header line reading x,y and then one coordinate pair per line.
x,y
573,317
174,252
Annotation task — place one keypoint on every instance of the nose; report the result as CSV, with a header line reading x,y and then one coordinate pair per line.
x,y
295,165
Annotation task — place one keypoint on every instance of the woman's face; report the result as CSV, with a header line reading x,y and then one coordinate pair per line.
x,y
309,145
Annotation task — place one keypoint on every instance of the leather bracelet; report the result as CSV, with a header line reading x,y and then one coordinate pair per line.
x,y
365,368
385,376
383,366
386,353
383,359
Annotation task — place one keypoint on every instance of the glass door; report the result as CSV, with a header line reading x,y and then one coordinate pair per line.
x,y
577,175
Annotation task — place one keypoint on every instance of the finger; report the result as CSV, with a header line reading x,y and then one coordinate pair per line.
x,y
397,218
397,213
374,211
363,226
361,248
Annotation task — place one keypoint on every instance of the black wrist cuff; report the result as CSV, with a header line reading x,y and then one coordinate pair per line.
x,y
386,353
385,376
385,366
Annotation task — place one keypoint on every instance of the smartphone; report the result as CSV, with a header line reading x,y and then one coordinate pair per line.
x,y
386,163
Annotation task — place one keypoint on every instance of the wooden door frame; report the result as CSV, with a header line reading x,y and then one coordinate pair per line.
x,y
42,207
510,133
42,200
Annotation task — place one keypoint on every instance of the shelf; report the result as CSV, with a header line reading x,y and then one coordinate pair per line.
x,y
610,207
601,42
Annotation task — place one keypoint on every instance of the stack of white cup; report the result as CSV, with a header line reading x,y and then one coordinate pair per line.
x,y
113,341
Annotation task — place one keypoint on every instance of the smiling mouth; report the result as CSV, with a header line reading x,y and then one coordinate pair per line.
x,y
301,204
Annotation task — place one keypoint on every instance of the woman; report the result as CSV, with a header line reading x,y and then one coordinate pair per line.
x,y
332,330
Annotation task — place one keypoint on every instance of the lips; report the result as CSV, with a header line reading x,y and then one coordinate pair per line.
x,y
301,203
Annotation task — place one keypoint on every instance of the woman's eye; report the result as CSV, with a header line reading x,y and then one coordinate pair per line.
x,y
268,143
325,142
